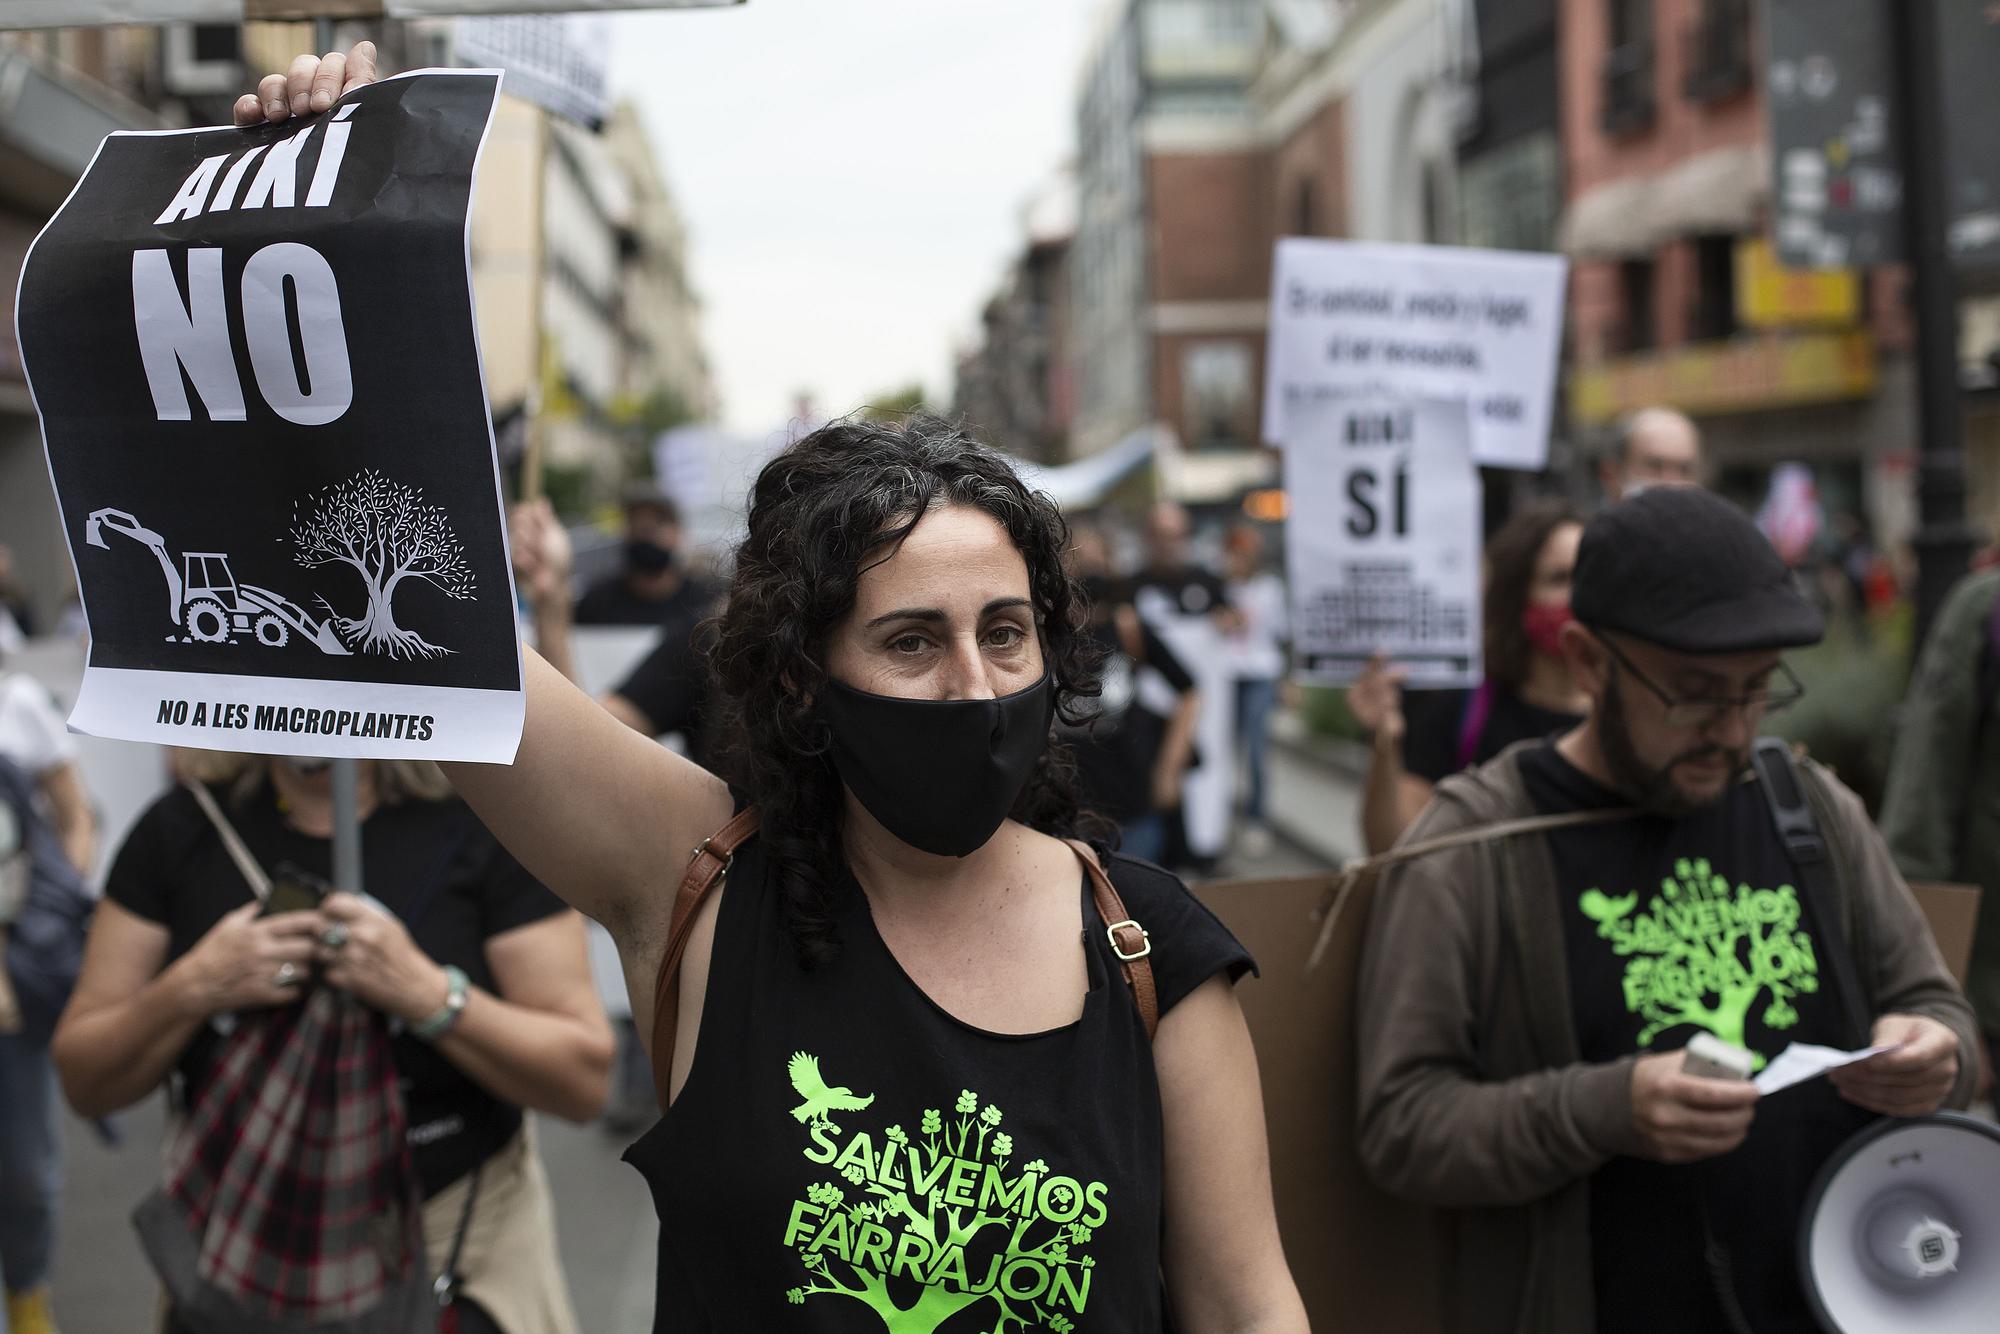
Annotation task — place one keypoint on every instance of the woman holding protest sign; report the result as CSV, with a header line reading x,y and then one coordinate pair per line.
x,y
1421,737
869,1040
217,923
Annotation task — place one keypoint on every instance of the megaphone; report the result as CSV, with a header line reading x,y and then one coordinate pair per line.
x,y
1901,1230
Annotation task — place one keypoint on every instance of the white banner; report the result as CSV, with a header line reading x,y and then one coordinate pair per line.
x,y
1382,548
560,62
1418,321
92,13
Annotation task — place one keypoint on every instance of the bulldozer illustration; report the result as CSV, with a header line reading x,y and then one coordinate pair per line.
x,y
205,602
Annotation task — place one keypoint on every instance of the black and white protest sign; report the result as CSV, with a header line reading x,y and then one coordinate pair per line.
x,y
1351,317
85,13
254,357
1382,549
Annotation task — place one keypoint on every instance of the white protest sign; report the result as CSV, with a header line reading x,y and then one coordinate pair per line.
x,y
1352,317
560,62
1382,548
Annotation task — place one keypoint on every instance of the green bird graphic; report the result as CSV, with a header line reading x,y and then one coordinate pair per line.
x,y
819,1099
1603,909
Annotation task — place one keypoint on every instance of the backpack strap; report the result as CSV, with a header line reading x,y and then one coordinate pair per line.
x,y
1129,941
707,868
1797,826
1355,872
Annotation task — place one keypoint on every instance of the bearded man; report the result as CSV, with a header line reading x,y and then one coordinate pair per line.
x,y
1525,1000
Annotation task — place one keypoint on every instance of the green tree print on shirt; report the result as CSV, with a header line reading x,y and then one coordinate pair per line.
x,y
1704,953
938,1219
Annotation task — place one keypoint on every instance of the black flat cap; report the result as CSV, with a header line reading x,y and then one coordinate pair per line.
x,y
1683,568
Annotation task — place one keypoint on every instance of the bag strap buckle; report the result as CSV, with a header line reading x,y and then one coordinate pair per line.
x,y
1118,946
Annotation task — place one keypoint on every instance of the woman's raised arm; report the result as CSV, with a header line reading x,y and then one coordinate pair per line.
x,y
601,815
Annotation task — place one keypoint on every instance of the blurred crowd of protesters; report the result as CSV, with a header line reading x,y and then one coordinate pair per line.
x,y
1600,859
1516,1072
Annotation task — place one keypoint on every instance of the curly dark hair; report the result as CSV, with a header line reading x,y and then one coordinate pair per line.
x,y
1511,554
823,511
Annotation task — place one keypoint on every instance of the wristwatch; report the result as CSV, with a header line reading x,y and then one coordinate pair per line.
x,y
441,1020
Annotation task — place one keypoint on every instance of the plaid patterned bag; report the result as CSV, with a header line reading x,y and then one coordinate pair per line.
x,y
290,1202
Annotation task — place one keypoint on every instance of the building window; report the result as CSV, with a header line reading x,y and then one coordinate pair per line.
x,y
1217,395
1509,197
1714,315
1304,223
1635,292
1628,67
218,41
1718,51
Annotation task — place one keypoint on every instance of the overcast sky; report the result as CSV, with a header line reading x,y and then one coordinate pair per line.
x,y
852,172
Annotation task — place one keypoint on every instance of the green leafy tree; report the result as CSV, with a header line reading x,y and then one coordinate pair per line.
x,y
942,1227
1704,953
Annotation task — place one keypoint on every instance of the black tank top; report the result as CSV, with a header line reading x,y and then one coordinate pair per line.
x,y
846,1156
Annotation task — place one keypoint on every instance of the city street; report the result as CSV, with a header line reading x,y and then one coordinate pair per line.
x,y
604,1219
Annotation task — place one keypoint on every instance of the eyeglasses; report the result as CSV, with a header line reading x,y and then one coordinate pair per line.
x,y
1698,715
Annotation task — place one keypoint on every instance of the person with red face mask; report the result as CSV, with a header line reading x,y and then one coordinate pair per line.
x,y
1422,736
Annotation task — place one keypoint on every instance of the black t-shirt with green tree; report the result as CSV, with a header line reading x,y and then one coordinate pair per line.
x,y
848,1157
1673,927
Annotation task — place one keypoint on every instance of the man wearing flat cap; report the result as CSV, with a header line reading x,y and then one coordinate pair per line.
x,y
1525,1000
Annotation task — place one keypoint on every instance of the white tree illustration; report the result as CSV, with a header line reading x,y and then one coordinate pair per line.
x,y
388,534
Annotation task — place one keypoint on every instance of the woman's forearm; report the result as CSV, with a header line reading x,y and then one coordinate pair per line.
x,y
592,809
74,819
111,1056
1386,798
555,1063
1177,746
552,636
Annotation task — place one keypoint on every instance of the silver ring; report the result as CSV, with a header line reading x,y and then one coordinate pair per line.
x,y
335,936
288,975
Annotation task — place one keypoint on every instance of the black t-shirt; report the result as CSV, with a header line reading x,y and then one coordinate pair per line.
x,y
434,857
1434,722
845,1151
611,601
671,686
1674,927
1115,752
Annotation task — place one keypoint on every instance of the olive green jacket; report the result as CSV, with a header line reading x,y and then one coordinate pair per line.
x,y
1941,812
1473,1096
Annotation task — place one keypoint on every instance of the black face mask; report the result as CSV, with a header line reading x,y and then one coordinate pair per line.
x,y
643,557
939,774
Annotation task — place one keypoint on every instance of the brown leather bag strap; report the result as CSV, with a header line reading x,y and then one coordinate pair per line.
x,y
1129,940
706,869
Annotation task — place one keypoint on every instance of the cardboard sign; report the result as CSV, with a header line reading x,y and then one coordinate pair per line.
x,y
1351,318
255,362
1363,1259
1382,551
